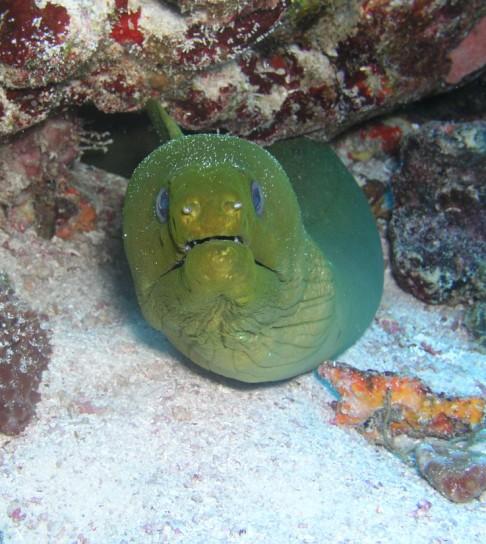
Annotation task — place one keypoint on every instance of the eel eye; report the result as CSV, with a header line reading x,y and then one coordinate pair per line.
x,y
257,197
162,205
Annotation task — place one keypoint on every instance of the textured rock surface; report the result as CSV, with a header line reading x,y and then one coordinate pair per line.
x,y
35,179
458,473
438,228
260,68
384,405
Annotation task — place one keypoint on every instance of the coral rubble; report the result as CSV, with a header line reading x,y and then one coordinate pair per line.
x,y
25,351
386,404
404,415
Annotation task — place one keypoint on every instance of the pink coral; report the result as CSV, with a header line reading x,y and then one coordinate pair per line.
x,y
469,55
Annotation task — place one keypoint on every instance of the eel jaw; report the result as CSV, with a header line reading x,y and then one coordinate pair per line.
x,y
236,239
192,243
186,248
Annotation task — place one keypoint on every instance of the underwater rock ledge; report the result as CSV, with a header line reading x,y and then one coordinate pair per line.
x,y
263,69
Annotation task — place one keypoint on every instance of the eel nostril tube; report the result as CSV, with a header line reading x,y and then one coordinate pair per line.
x,y
232,205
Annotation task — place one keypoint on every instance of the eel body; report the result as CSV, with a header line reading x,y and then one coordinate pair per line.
x,y
247,274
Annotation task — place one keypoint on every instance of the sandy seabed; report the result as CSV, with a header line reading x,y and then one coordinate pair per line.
x,y
134,444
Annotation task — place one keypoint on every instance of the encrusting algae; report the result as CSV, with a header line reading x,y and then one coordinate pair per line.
x,y
409,406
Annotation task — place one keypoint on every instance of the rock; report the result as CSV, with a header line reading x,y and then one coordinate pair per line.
x,y
383,405
264,69
35,173
459,474
438,228
25,351
443,436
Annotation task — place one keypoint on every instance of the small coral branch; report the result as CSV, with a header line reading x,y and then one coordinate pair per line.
x,y
25,350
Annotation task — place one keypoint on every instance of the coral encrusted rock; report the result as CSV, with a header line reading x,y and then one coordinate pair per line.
x,y
265,69
438,228
35,176
444,437
25,351
384,405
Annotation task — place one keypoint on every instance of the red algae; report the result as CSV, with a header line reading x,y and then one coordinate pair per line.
x,y
27,28
389,136
125,30
206,45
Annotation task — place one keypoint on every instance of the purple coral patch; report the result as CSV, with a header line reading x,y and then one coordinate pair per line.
x,y
25,351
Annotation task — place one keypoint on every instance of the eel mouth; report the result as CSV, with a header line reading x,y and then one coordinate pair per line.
x,y
190,244
193,243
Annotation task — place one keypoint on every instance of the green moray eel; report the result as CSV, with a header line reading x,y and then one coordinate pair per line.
x,y
246,277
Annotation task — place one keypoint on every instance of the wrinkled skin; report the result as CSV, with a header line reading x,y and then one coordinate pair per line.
x,y
234,282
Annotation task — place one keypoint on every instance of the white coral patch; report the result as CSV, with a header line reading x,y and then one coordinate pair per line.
x,y
315,64
158,20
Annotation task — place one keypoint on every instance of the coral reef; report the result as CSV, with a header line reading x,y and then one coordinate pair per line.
x,y
25,351
265,69
386,405
438,228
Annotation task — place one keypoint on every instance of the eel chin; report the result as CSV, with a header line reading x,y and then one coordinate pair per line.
x,y
220,266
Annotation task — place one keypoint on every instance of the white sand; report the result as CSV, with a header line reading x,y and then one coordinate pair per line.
x,y
132,444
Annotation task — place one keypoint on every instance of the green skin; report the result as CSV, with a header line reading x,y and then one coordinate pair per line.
x,y
255,299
